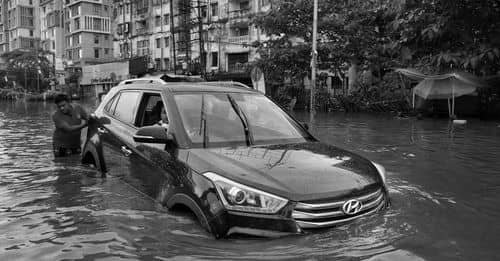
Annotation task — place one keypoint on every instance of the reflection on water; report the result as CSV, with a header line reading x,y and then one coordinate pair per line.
x,y
443,181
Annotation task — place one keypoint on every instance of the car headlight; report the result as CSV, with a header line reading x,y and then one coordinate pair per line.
x,y
381,170
238,197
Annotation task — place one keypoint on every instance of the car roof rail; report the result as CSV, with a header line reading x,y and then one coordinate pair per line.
x,y
228,84
142,80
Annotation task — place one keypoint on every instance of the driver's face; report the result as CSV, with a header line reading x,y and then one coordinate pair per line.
x,y
63,106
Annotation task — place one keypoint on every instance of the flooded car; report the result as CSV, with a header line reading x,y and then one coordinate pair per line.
x,y
234,158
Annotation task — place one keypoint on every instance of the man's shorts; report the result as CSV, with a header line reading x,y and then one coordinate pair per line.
x,y
63,152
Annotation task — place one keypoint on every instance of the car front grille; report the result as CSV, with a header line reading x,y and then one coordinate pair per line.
x,y
325,214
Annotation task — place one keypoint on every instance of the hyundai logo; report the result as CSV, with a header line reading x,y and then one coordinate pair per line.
x,y
352,207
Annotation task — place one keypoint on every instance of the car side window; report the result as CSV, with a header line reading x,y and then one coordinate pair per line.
x,y
110,107
126,106
150,110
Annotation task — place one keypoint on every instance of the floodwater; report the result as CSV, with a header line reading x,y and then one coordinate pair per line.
x,y
444,182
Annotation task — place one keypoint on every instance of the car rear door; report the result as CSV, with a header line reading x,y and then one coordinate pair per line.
x,y
115,133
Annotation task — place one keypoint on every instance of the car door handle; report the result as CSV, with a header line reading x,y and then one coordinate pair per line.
x,y
102,130
126,151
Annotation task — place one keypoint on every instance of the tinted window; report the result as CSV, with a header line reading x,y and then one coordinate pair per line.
x,y
125,107
110,107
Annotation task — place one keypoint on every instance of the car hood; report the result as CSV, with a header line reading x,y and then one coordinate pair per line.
x,y
303,171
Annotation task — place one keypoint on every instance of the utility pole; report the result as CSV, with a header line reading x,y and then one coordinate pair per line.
x,y
200,36
312,109
162,39
172,34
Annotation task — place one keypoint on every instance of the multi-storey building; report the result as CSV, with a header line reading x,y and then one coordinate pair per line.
x,y
142,28
18,27
3,34
87,32
227,33
219,30
52,34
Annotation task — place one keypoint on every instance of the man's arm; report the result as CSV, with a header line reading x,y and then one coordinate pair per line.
x,y
83,113
60,124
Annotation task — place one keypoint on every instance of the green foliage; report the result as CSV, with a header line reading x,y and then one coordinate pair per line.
x,y
31,69
433,36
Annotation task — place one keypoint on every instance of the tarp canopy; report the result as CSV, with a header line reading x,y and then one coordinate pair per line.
x,y
443,86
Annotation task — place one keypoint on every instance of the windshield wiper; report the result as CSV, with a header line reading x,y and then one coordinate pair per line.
x,y
203,122
243,118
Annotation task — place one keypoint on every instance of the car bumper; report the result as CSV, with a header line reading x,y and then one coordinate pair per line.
x,y
283,223
260,225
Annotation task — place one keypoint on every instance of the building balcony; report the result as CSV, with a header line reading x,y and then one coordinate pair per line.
x,y
243,39
239,17
141,31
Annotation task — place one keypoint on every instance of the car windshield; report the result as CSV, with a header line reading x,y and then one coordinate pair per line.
x,y
212,119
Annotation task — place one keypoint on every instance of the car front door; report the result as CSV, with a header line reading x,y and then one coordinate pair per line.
x,y
150,167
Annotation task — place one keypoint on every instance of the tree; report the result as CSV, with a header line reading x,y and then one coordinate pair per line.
x,y
31,69
450,34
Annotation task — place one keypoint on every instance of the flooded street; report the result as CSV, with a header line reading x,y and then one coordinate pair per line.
x,y
444,182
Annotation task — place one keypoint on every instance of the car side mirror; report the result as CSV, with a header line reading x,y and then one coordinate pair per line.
x,y
152,134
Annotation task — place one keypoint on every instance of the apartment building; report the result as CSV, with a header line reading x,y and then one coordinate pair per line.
x,y
228,33
52,34
142,29
87,32
18,27
3,35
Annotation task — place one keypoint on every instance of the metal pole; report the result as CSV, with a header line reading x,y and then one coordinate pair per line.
x,y
172,34
25,79
162,37
200,35
312,109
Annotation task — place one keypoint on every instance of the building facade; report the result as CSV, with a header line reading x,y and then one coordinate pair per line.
x,y
19,29
229,33
87,32
195,35
52,35
142,29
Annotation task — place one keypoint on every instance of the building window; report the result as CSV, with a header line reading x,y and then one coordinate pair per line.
x,y
96,52
214,9
106,37
215,59
167,41
77,24
96,39
166,19
97,8
31,33
106,51
158,42
53,44
204,12
157,20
